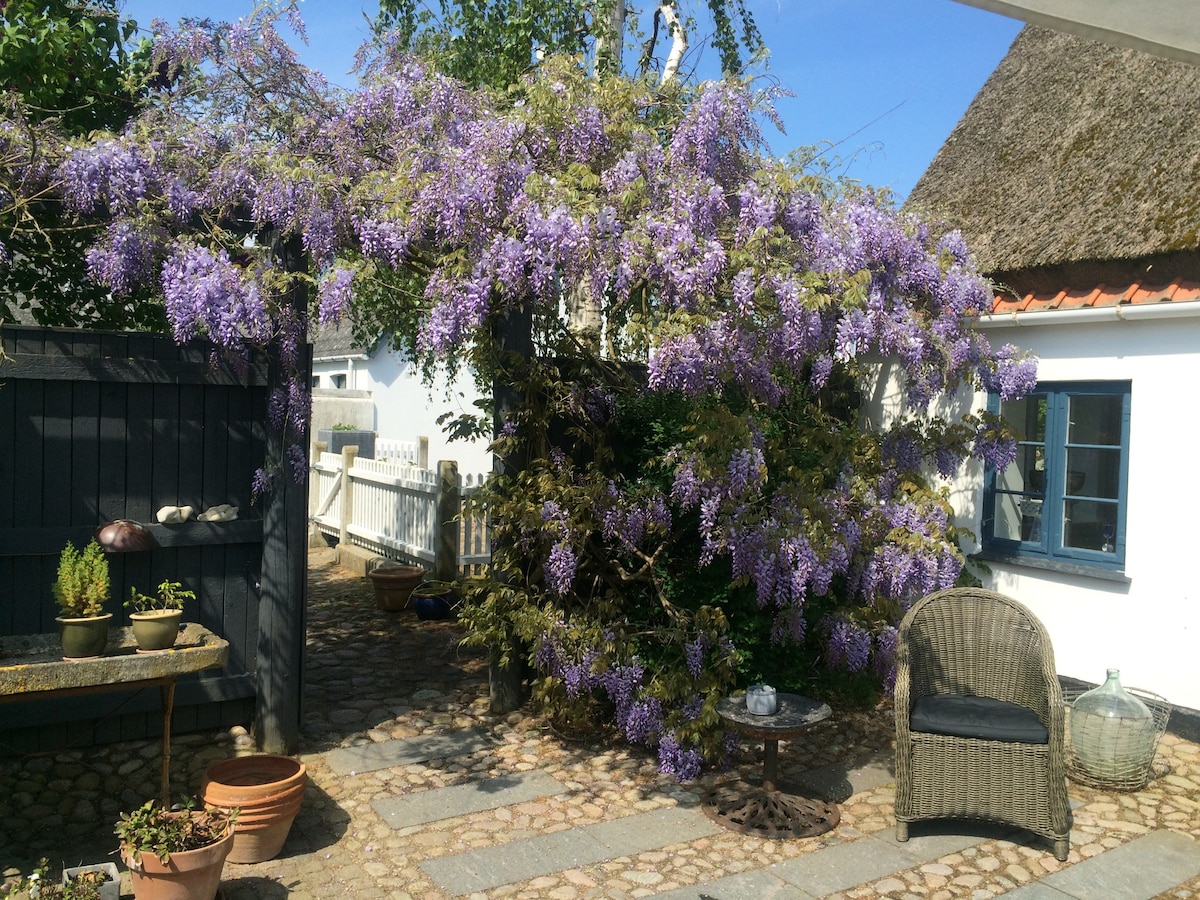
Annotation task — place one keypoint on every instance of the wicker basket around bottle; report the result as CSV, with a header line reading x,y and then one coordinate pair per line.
x,y
1134,774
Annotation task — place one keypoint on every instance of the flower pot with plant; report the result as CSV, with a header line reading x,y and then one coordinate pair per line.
x,y
81,591
175,854
100,881
156,620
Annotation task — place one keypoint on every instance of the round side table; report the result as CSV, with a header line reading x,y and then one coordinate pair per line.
x,y
771,810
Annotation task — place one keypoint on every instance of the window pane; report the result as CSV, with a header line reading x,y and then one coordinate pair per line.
x,y
1092,472
1027,473
1095,419
1089,525
1026,417
1017,518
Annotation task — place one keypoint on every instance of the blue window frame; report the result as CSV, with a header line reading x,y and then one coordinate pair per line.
x,y
1064,498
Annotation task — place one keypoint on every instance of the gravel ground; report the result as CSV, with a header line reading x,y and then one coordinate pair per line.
x,y
374,676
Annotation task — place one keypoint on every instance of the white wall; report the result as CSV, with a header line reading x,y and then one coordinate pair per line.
x,y
404,408
1149,628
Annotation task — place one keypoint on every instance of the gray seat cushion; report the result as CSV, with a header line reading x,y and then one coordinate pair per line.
x,y
961,715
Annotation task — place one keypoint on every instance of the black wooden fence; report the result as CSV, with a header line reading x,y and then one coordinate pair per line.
x,y
96,426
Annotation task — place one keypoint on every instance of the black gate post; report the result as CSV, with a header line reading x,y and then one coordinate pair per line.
x,y
284,581
514,340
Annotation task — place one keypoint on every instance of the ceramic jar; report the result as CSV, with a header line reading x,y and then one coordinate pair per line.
x,y
761,700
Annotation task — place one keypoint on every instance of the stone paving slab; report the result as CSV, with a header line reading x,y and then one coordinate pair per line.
x,y
842,866
403,752
759,884
516,861
462,799
839,784
1138,870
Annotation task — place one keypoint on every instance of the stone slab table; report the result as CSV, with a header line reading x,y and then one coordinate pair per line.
x,y
32,666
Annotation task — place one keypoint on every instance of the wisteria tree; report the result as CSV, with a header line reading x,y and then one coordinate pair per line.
x,y
698,481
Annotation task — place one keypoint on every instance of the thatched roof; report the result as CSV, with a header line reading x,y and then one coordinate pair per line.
x,y
1074,153
338,341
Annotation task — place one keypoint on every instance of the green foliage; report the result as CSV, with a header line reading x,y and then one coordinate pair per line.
x,y
171,595
152,829
84,886
82,587
65,69
67,59
494,43
491,43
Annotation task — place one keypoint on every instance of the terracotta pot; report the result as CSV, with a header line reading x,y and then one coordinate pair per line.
x,y
268,790
394,585
187,875
156,629
83,637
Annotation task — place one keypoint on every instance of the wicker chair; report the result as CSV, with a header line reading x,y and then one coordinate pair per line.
x,y
978,667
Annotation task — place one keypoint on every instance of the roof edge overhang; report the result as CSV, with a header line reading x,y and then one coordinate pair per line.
x,y
1185,309
1166,28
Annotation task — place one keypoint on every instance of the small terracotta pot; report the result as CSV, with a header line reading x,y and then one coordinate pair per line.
x,y
268,790
187,875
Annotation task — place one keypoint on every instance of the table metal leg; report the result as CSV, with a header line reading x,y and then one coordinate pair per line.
x,y
167,693
770,764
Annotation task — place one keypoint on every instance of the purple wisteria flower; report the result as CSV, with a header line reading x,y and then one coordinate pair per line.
x,y
849,645
560,568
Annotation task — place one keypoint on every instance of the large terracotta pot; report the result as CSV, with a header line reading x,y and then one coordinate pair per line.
x,y
394,585
268,790
187,875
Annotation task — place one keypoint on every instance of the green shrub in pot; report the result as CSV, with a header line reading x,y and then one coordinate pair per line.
x,y
82,589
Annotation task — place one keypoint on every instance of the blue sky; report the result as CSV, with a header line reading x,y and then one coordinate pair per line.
x,y
884,80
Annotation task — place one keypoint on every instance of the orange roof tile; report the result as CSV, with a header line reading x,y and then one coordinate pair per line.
x,y
1099,297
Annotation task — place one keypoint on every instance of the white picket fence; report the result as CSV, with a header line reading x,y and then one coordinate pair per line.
x,y
396,508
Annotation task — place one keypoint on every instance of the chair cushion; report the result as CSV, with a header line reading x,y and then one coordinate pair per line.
x,y
961,715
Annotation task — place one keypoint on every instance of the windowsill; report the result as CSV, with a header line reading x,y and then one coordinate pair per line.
x,y
1054,565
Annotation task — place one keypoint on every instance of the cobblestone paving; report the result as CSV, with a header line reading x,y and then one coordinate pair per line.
x,y
374,676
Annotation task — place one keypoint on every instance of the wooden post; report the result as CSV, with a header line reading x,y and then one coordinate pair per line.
x,y
349,455
314,484
279,671
422,452
449,504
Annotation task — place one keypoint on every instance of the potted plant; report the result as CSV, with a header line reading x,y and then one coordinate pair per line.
x,y
81,591
175,854
156,620
343,435
101,881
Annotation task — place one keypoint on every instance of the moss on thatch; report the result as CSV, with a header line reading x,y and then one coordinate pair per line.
x,y
1073,152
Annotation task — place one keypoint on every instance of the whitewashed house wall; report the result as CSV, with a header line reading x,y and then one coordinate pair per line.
x,y
402,406
1147,625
